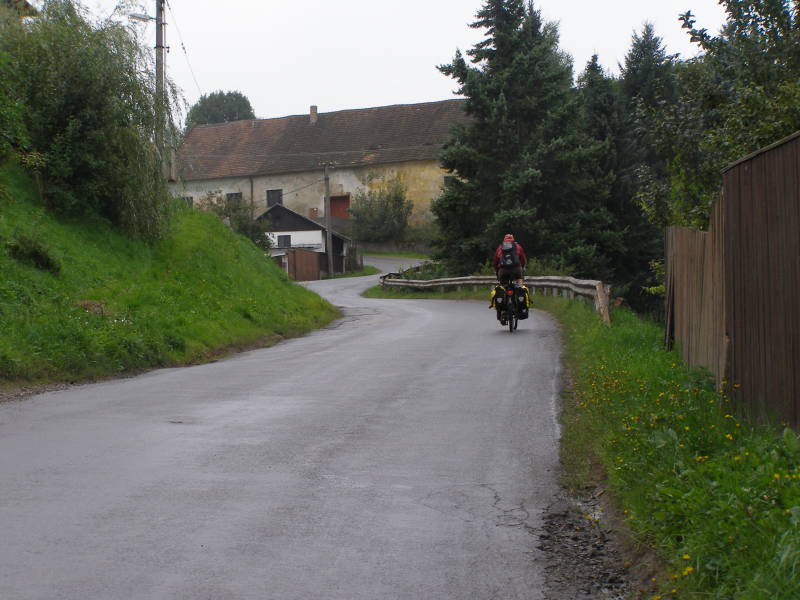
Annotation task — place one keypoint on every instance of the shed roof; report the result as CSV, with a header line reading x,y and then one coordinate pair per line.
x,y
285,219
347,138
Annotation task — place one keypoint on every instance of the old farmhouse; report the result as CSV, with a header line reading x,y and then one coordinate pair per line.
x,y
264,162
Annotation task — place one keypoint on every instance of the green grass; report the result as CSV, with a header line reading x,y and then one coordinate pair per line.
x,y
410,294
366,271
717,498
399,254
201,290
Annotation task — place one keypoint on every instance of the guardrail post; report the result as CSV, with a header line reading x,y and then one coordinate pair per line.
x,y
601,302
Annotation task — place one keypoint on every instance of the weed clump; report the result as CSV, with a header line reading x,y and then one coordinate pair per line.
x,y
31,249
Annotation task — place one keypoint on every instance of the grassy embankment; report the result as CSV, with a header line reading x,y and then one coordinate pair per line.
x,y
364,272
200,291
717,498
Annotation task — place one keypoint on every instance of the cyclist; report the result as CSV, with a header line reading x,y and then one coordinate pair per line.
x,y
509,260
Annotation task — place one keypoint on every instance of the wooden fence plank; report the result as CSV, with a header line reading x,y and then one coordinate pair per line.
x,y
732,293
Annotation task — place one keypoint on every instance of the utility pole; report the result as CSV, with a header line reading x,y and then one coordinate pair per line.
x,y
328,234
159,130
160,80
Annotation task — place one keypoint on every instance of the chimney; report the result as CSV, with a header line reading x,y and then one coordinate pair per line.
x,y
312,117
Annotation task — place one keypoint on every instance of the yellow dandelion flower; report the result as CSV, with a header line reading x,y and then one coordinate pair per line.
x,y
688,571
686,557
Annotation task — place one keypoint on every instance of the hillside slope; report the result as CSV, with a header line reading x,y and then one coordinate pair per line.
x,y
78,300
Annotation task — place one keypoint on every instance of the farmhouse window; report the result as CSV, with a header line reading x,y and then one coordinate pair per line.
x,y
274,197
284,241
233,200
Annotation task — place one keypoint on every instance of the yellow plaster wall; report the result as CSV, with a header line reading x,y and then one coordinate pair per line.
x,y
424,180
305,191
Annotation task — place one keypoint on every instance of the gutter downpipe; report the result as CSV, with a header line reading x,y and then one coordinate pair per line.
x,y
252,200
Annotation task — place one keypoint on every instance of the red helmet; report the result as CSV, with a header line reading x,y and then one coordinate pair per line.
x,y
508,238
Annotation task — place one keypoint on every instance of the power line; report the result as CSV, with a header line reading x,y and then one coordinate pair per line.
x,y
304,187
183,47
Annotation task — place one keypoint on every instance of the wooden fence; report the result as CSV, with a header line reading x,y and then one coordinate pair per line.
x,y
695,309
303,265
594,291
733,293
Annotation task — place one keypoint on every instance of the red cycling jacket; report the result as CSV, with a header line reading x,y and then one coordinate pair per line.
x,y
523,260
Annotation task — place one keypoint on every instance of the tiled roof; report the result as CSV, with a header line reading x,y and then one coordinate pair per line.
x,y
347,138
22,7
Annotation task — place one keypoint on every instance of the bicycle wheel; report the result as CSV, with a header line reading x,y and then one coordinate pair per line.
x,y
512,317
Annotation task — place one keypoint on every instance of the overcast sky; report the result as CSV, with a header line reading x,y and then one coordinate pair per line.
x,y
286,55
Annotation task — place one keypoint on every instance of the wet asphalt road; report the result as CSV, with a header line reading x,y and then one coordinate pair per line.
x,y
407,451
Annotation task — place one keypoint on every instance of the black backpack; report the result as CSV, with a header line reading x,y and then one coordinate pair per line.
x,y
509,256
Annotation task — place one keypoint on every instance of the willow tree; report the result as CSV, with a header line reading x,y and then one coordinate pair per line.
x,y
89,111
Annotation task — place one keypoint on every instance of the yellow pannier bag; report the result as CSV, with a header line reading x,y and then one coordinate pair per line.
x,y
527,295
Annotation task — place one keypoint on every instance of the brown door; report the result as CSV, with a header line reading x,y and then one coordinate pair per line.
x,y
340,206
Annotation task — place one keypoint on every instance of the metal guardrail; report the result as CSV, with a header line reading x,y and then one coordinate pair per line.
x,y
595,291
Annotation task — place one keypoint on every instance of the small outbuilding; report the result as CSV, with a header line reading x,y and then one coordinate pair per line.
x,y
299,244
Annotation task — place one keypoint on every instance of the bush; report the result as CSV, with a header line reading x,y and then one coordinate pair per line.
x,y
239,217
12,126
380,210
32,250
90,112
426,271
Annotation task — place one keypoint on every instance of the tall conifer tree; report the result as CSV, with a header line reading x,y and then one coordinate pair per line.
x,y
630,242
517,162
649,83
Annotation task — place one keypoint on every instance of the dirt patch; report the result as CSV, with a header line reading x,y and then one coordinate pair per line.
x,y
12,392
591,554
